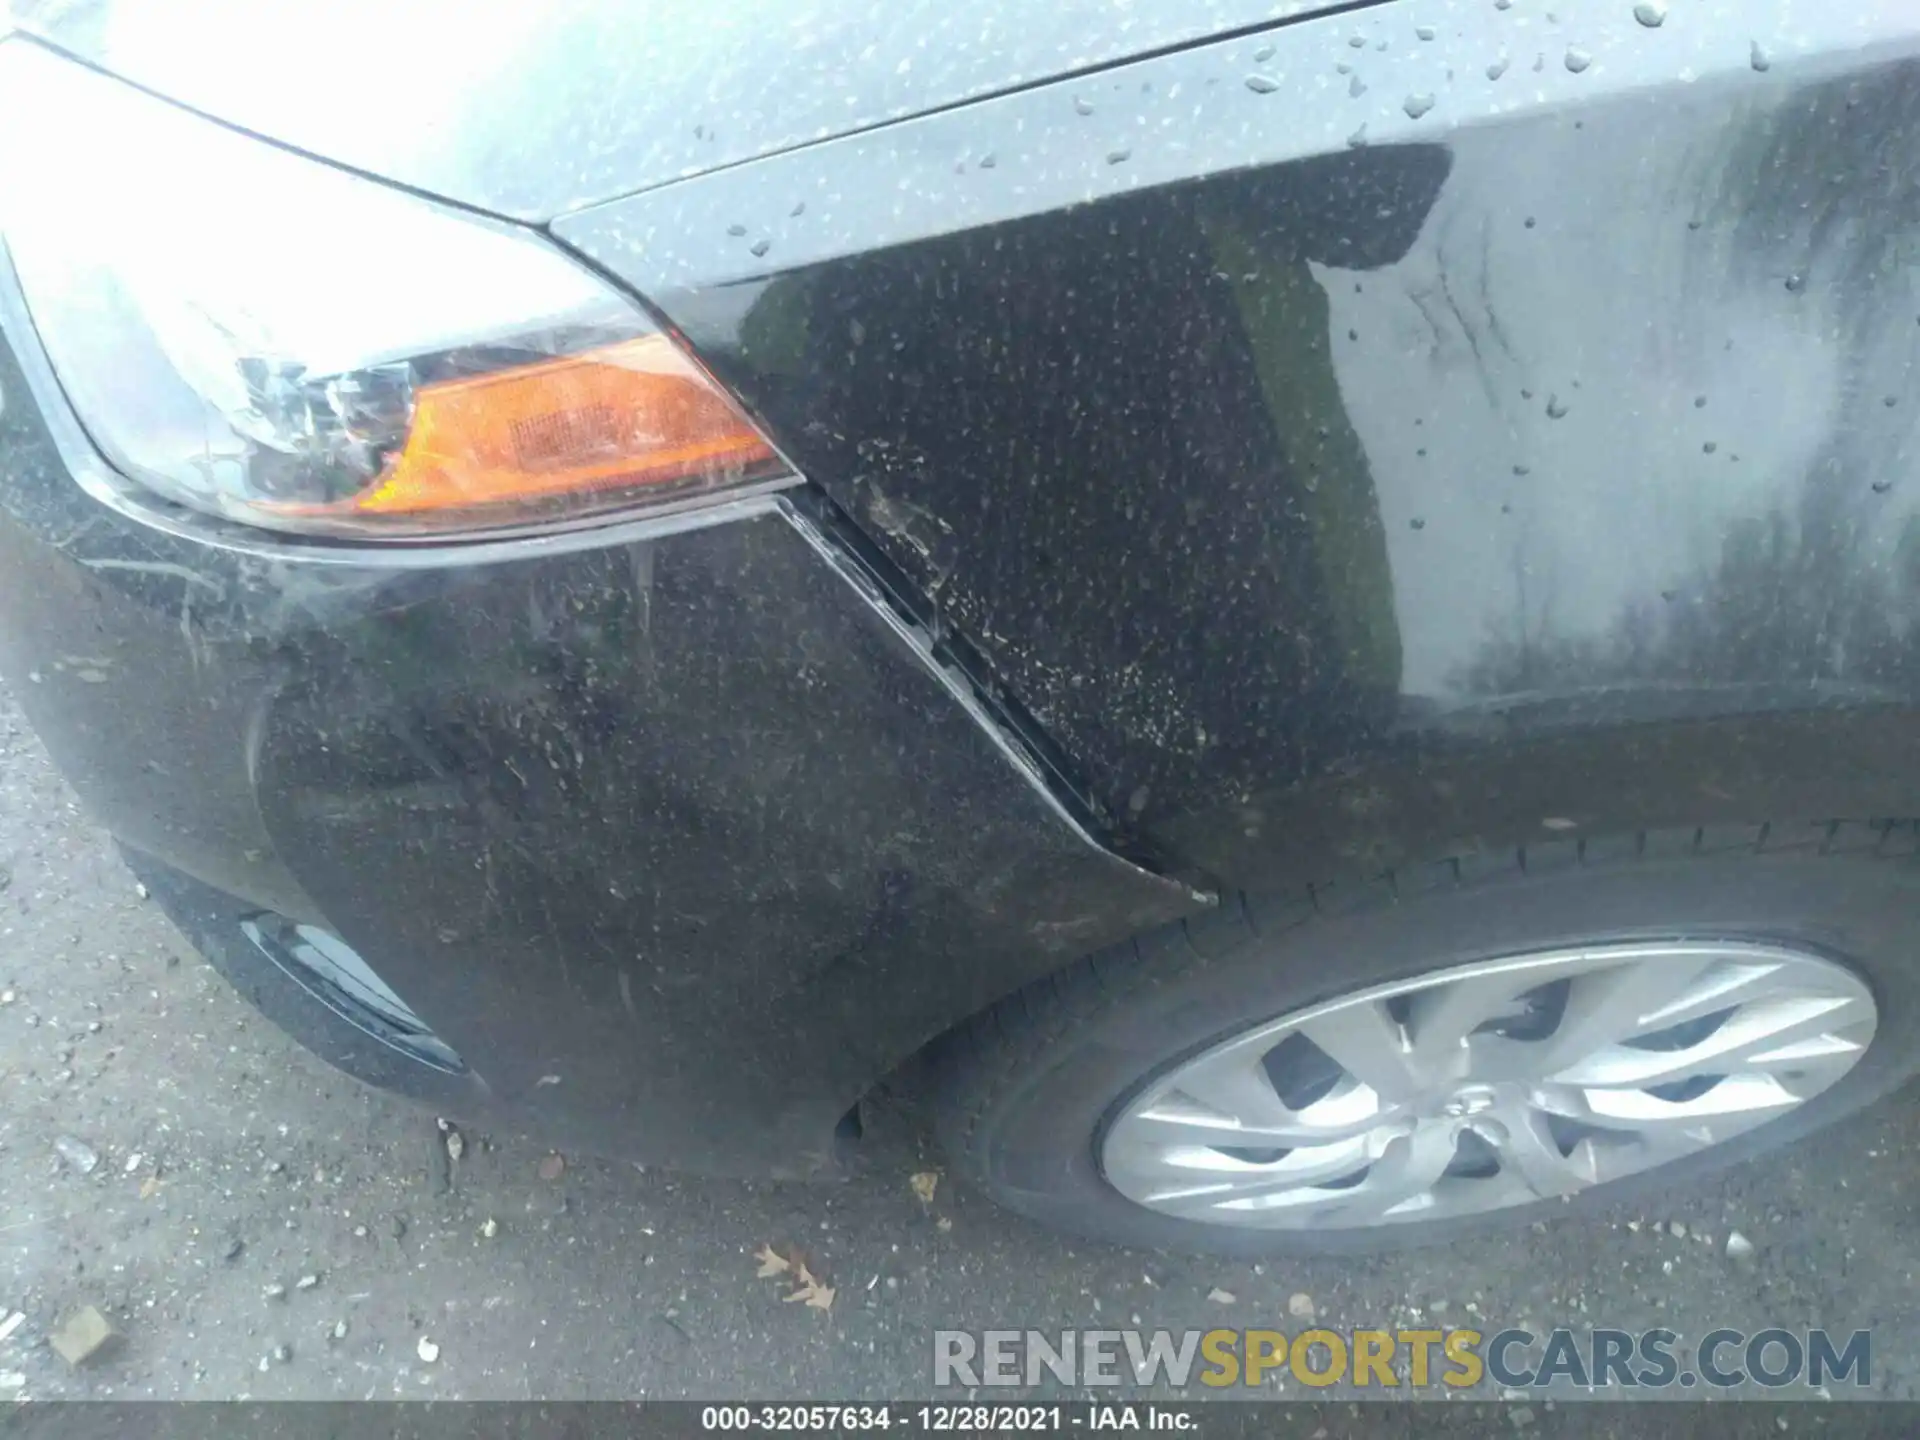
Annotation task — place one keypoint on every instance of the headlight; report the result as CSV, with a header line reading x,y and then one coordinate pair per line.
x,y
271,339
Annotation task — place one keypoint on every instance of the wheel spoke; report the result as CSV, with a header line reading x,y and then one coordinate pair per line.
x,y
1408,1168
1441,1018
1735,1104
1236,1106
1527,1147
1368,1043
1785,1033
1616,1003
1215,1179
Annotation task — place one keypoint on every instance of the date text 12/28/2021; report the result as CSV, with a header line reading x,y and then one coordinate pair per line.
x,y
963,1418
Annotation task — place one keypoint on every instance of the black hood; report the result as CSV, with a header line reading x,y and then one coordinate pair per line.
x,y
532,110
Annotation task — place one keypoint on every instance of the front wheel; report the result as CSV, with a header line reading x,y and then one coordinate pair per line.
x,y
1453,1047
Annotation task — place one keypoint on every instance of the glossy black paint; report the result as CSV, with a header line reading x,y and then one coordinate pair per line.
x,y
1529,453
1424,427
531,111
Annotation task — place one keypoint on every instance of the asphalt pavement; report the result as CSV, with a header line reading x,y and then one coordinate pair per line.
x,y
252,1224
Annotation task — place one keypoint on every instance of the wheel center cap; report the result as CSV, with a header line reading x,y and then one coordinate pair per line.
x,y
1467,1100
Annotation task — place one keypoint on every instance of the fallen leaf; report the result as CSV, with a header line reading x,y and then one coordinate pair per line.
x,y
924,1184
770,1262
811,1291
551,1167
1219,1296
149,1187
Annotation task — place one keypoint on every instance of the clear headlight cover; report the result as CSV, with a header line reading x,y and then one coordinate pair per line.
x,y
271,339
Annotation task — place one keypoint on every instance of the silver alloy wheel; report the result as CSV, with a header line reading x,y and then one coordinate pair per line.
x,y
1489,1085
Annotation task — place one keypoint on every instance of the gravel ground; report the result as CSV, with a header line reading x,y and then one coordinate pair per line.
x,y
258,1225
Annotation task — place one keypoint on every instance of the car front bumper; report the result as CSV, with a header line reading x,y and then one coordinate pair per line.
x,y
679,839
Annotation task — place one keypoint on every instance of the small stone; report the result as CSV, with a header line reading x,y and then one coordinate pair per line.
x,y
6,997
490,1229
133,1162
359,1232
1220,1297
1759,58
1677,1229
93,1027
943,1224
1439,1307
77,1154
274,1167
339,1331
397,1227
1300,1306
1418,105
233,1250
142,891
306,1282
427,1350
283,1352
1425,32
1651,13
1577,59
1739,1247
456,1145
275,1291
82,1336
552,1167
1262,84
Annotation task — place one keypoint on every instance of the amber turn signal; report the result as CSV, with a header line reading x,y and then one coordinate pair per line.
x,y
633,416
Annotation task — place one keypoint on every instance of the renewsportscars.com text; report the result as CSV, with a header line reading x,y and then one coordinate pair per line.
x,y
1412,1358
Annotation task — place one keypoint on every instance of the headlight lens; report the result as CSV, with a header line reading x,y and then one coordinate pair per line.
x,y
268,338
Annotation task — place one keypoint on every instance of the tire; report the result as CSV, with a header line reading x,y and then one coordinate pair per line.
x,y
1026,1090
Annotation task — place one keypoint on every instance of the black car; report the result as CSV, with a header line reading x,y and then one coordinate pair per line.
x,y
1316,607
